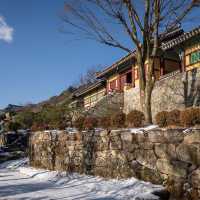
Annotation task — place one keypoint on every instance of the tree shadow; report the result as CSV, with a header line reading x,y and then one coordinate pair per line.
x,y
89,152
104,198
34,198
29,177
191,85
179,91
16,189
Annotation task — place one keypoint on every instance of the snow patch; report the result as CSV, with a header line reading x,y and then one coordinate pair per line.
x,y
14,164
5,154
39,174
29,183
188,130
143,129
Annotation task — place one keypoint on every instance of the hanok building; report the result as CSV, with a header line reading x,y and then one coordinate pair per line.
x,y
187,45
89,95
180,51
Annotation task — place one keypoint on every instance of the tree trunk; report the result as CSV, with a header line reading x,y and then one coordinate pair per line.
x,y
147,108
142,80
146,88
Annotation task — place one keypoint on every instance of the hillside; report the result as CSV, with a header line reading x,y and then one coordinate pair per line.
x,y
60,99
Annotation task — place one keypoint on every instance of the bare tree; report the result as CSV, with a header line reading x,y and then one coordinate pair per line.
x,y
89,77
143,22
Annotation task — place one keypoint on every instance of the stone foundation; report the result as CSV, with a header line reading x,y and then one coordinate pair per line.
x,y
168,157
175,91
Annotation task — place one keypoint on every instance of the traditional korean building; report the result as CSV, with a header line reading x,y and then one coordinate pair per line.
x,y
179,51
90,94
187,45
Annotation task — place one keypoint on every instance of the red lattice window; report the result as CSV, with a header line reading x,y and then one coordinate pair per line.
x,y
113,84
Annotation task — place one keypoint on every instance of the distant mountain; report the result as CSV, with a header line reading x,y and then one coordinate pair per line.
x,y
63,98
13,108
60,99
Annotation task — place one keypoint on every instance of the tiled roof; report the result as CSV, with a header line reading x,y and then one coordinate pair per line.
x,y
167,43
182,38
166,36
113,66
169,35
87,88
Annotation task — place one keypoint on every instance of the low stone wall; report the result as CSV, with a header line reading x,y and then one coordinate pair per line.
x,y
176,91
2,140
18,141
168,157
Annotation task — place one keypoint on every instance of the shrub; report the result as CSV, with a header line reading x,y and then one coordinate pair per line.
x,y
190,116
173,117
14,126
62,126
34,127
105,122
79,123
135,118
2,117
161,118
90,123
39,127
118,120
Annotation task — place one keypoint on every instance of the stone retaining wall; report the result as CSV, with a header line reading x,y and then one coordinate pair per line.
x,y
176,91
2,140
169,157
16,141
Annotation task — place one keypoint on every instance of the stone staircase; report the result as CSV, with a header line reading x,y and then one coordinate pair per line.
x,y
110,104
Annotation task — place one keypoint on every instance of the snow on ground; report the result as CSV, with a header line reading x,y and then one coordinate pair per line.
x,y
18,181
4,154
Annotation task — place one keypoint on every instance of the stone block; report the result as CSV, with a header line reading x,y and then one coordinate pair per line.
x,y
115,142
146,145
189,153
193,137
127,137
166,151
173,168
146,158
174,135
145,173
195,178
130,156
129,146
114,133
103,133
139,138
157,136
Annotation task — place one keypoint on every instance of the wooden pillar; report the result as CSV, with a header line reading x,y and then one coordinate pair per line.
x,y
107,86
162,66
183,61
118,82
133,76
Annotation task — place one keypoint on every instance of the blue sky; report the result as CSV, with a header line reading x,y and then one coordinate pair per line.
x,y
40,61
